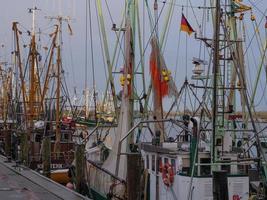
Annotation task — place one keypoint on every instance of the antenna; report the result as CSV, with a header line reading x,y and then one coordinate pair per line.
x,y
33,12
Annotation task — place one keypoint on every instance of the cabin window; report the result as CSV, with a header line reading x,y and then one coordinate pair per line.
x,y
173,163
38,138
205,169
53,138
185,166
264,144
159,163
153,163
242,169
186,170
166,160
147,161
65,137
226,167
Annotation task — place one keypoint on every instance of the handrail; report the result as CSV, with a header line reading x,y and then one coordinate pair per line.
x,y
173,121
106,171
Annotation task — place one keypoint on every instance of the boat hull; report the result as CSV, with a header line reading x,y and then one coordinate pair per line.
x,y
201,189
97,195
60,176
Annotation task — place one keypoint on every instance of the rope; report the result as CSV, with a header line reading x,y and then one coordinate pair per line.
x,y
182,5
186,44
92,55
71,64
46,59
262,97
195,15
263,17
86,43
177,55
258,39
120,45
190,100
151,35
163,39
101,44
248,60
254,5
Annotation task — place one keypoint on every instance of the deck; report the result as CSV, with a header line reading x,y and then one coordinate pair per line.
x,y
25,184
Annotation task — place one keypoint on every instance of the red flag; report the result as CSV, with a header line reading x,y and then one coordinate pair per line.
x,y
161,87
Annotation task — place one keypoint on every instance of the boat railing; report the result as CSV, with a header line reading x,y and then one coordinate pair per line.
x,y
104,180
106,171
63,157
95,130
178,123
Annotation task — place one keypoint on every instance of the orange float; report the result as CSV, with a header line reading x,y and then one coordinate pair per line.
x,y
167,175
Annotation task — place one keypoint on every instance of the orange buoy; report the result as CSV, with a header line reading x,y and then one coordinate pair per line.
x,y
167,175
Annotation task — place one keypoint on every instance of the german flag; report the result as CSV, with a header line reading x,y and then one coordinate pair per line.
x,y
185,26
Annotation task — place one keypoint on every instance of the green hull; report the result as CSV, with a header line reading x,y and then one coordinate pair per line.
x,y
97,195
87,122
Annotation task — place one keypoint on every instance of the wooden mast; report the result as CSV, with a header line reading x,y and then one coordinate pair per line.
x,y
24,137
33,75
32,94
133,161
59,63
21,73
58,70
33,111
215,77
46,82
157,96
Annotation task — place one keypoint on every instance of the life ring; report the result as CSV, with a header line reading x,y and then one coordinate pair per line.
x,y
236,197
167,175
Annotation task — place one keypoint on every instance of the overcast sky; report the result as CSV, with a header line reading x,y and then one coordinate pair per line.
x,y
74,46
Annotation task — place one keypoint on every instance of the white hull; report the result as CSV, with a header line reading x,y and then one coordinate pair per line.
x,y
201,188
185,187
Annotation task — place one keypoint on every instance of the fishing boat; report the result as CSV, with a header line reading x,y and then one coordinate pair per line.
x,y
135,147
214,151
212,161
42,127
